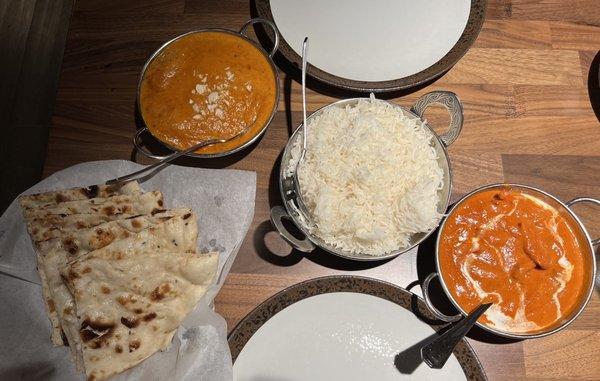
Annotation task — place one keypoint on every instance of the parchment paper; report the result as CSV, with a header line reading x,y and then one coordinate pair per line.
x,y
224,203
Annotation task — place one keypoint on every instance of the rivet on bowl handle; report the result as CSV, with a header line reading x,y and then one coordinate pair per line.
x,y
271,25
137,142
431,307
278,213
574,201
452,104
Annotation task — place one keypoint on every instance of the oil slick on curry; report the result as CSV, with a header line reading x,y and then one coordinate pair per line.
x,y
207,85
512,249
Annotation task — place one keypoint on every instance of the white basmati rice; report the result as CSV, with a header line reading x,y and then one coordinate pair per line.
x,y
370,177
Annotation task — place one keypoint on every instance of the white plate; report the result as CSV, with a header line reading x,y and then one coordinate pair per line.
x,y
374,40
339,336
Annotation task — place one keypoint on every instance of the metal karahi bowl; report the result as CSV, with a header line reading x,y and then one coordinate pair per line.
x,y
137,140
587,244
293,211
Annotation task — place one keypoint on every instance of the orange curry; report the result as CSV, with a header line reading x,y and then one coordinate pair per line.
x,y
207,85
516,251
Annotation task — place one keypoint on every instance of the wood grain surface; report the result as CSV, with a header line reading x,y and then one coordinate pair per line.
x,y
531,99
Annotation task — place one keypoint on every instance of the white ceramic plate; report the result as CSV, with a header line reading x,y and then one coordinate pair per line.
x,y
339,336
358,44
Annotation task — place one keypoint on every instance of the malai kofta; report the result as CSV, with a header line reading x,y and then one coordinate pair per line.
x,y
512,249
208,85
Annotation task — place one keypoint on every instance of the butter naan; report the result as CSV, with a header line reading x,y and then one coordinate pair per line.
x,y
55,253
178,233
55,197
48,226
123,315
122,204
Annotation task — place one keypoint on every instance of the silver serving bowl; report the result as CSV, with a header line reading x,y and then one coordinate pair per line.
x,y
564,209
293,212
137,141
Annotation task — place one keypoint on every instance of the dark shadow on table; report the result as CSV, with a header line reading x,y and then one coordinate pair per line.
x,y
318,256
426,265
594,85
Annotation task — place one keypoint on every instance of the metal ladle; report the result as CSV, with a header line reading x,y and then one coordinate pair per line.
x,y
159,165
436,353
295,178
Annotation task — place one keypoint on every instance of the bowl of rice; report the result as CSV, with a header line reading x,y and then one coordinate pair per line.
x,y
375,181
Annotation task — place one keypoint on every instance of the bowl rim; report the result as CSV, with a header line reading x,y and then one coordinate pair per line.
x,y
535,334
294,214
256,45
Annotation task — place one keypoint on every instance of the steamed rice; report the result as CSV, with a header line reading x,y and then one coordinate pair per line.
x,y
370,177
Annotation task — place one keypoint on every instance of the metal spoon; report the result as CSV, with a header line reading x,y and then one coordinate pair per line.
x,y
156,167
436,353
304,130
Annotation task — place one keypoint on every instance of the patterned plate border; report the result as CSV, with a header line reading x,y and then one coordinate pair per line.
x,y
240,335
468,37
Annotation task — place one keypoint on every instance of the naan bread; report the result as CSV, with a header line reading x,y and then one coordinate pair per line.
x,y
55,197
57,225
55,253
176,234
125,316
122,204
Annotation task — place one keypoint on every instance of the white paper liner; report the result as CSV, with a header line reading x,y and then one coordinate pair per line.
x,y
224,203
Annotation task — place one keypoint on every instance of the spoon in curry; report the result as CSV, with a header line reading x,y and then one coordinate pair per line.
x,y
436,353
149,171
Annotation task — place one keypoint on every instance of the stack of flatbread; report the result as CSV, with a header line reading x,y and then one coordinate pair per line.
x,y
119,272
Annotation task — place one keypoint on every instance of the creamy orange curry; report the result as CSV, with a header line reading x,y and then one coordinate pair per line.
x,y
516,251
207,85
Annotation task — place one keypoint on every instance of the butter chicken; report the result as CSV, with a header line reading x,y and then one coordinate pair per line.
x,y
208,85
516,251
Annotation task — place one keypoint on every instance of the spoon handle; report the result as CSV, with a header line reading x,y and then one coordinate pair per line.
x,y
150,170
436,353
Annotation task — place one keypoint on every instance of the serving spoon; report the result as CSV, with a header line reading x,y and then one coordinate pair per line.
x,y
153,169
304,129
436,353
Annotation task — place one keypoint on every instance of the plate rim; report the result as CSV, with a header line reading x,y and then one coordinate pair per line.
x,y
470,33
249,325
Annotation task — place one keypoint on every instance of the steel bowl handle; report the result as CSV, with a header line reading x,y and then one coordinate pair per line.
x,y
452,104
278,213
270,24
137,142
585,199
431,307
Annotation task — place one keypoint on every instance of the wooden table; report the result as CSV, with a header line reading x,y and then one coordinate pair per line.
x,y
531,104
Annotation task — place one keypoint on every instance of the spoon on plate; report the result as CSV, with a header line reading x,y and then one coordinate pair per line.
x,y
436,353
152,169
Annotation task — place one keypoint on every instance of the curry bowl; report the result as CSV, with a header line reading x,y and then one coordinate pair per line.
x,y
293,210
520,248
207,84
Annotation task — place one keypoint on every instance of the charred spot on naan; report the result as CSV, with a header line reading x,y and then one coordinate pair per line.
x,y
95,330
130,322
105,290
102,237
124,300
70,245
161,291
61,198
134,344
91,191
